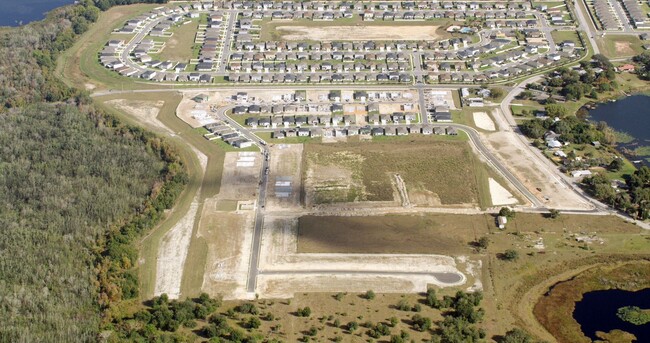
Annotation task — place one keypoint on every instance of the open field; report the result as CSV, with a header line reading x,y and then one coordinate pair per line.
x,y
356,33
444,234
435,173
179,46
354,29
561,36
617,46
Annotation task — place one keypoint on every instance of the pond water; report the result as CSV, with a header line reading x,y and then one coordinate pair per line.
x,y
630,115
597,312
20,12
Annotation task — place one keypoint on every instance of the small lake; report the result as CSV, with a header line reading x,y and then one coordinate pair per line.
x,y
20,12
630,115
597,312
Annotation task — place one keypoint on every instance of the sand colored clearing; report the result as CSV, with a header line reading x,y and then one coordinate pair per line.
x,y
483,121
338,33
172,254
145,111
500,195
623,48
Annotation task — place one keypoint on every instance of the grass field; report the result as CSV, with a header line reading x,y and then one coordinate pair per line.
x,y
561,36
185,139
618,46
269,29
179,47
445,168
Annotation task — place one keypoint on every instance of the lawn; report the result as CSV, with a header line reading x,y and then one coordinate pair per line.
x,y
443,169
561,36
518,110
618,46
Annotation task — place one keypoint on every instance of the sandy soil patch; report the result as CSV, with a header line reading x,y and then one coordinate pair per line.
x,y
483,121
623,48
500,195
143,111
337,33
354,109
240,183
228,236
173,252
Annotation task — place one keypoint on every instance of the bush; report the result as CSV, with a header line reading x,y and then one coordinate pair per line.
x,y
304,312
510,255
369,295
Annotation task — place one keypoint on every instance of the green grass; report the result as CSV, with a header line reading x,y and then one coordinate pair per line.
x,y
560,36
630,45
450,165
517,110
180,47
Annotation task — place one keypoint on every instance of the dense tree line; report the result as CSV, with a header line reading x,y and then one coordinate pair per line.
x,y
634,199
77,189
106,4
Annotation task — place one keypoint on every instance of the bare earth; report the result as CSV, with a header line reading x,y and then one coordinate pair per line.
x,y
500,195
483,121
172,254
337,33
623,48
144,111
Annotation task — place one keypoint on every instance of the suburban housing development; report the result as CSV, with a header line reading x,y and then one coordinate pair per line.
x,y
397,147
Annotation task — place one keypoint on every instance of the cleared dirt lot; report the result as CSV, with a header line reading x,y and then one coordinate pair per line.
x,y
435,172
337,33
143,110
392,234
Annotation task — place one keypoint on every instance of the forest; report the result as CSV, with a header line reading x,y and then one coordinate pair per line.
x,y
78,188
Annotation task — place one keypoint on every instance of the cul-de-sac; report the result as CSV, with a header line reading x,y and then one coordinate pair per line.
x,y
327,171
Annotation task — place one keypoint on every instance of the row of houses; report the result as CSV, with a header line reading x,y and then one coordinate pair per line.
x,y
327,120
503,72
224,132
282,77
375,5
605,14
313,67
386,15
347,46
365,131
637,15
211,40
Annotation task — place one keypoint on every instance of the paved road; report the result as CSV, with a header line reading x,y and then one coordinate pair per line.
x,y
583,23
542,160
253,267
227,42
